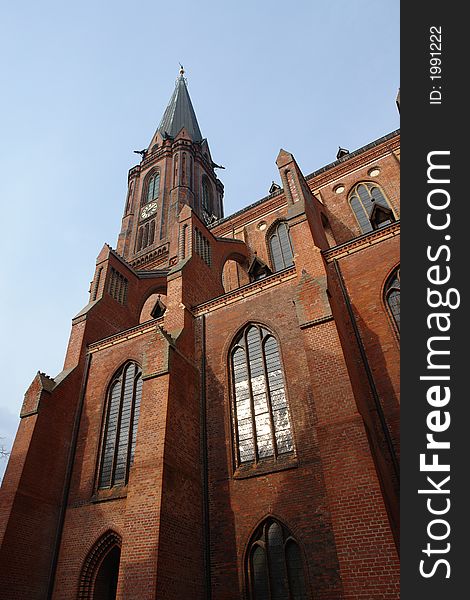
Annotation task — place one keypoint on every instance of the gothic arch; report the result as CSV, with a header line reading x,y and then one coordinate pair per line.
x,y
160,288
262,430
107,543
117,369
364,205
123,397
231,337
391,291
274,564
238,257
153,173
286,249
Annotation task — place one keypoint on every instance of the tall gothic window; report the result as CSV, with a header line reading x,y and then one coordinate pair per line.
x,y
260,412
153,188
274,565
206,195
370,206
120,429
280,247
392,297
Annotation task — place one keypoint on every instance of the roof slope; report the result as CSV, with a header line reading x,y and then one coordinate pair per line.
x,y
180,113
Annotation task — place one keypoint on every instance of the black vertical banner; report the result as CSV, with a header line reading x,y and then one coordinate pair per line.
x,y
435,457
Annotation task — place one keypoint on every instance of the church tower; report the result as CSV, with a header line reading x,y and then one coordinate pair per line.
x,y
225,426
176,170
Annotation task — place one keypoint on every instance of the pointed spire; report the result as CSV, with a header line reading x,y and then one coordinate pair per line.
x,y
180,112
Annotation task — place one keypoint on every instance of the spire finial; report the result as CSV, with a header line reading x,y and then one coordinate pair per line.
x,y
181,70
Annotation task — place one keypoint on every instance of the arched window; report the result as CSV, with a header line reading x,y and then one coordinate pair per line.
x,y
280,247
206,195
153,188
260,413
370,206
120,430
274,565
392,297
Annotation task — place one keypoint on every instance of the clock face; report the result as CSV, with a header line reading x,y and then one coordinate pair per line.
x,y
148,210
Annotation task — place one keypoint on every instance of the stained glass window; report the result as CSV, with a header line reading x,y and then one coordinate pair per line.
x,y
261,417
122,416
275,570
370,206
392,297
281,248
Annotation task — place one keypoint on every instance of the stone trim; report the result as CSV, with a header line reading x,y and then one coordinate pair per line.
x,y
125,335
351,161
364,241
318,321
156,374
245,291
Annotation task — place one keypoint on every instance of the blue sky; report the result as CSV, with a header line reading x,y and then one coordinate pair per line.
x,y
84,84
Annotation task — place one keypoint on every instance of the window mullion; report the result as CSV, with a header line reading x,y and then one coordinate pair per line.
x,y
266,556
252,401
235,411
118,427
268,398
104,438
131,426
286,569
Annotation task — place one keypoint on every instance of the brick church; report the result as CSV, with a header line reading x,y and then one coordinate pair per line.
x,y
226,422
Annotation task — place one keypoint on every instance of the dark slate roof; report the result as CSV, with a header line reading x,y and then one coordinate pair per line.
x,y
180,113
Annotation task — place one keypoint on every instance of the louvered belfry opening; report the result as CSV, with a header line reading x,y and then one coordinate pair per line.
x,y
274,564
117,286
261,417
120,432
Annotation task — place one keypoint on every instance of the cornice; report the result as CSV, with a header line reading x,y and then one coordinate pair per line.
x,y
124,336
341,168
364,241
252,212
150,255
318,321
244,292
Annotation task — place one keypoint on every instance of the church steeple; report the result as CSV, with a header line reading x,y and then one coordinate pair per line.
x,y
176,171
180,113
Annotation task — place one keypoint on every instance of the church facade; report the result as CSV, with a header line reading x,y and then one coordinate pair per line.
x,y
226,422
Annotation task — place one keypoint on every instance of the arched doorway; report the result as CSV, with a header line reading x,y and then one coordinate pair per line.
x,y
107,576
99,577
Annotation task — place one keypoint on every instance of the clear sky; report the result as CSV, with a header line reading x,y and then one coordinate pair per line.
x,y
83,84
